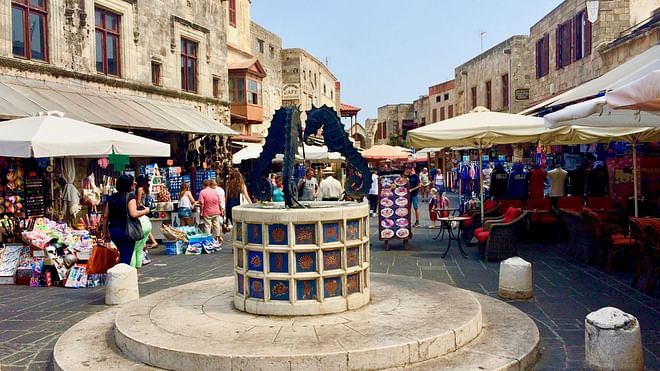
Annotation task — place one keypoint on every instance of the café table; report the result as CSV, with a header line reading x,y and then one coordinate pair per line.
x,y
451,212
450,232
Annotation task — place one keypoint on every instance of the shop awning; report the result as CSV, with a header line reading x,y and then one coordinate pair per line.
x,y
21,97
635,68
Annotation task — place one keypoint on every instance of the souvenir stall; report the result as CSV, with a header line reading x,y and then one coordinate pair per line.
x,y
39,251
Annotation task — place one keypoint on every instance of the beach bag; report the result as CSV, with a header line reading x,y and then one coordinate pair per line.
x,y
102,259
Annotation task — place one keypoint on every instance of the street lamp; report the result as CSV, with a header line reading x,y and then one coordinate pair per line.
x,y
507,51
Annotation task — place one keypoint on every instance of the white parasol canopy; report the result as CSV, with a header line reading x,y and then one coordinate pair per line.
x,y
52,135
312,153
583,123
642,94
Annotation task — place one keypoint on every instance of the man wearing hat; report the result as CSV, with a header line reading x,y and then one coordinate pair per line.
x,y
330,188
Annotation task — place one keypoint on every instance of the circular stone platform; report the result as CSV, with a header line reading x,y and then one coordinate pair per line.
x,y
196,326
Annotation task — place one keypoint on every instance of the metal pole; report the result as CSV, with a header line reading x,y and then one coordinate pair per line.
x,y
634,149
481,183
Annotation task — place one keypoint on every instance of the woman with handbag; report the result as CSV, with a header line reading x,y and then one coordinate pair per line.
x,y
120,219
237,193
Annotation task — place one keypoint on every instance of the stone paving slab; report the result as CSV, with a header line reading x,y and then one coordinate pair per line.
x,y
556,276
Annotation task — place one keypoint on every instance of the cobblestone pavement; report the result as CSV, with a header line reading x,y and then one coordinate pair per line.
x,y
565,290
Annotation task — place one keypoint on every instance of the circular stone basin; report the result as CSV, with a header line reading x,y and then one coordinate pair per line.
x,y
196,327
301,261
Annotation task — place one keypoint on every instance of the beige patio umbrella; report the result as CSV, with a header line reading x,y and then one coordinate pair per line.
x,y
642,94
577,125
384,152
480,129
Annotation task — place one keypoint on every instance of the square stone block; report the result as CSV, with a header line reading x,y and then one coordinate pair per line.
x,y
353,283
238,228
352,256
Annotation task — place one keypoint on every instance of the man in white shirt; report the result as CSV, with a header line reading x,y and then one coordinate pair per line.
x,y
373,193
330,188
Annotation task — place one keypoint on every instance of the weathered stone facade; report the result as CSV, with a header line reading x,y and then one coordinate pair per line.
x,y
396,120
421,114
147,35
631,43
266,46
371,126
614,18
492,67
442,101
306,81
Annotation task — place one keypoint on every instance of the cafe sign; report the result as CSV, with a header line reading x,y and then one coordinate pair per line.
x,y
290,91
522,94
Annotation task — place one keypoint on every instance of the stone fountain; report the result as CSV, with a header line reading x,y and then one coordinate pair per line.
x,y
303,297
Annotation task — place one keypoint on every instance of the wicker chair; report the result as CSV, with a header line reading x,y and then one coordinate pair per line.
x,y
490,210
649,258
610,239
502,238
581,241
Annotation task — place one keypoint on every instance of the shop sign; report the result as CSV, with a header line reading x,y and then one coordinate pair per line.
x,y
522,94
290,91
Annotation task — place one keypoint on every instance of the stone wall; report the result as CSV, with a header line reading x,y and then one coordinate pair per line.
x,y
393,115
238,36
421,114
492,65
614,17
441,97
371,126
270,59
148,34
306,81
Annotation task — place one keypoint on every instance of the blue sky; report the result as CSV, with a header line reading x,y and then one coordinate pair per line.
x,y
391,51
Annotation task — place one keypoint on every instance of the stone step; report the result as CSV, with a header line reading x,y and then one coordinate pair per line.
x,y
506,339
90,345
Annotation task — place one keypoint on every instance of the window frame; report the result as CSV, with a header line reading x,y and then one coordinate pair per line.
x,y
505,91
564,44
232,13
104,40
250,94
27,9
186,56
489,94
543,56
582,36
156,73
473,97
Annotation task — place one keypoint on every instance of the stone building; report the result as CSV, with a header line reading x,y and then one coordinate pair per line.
x,y
306,81
568,49
266,46
371,127
442,100
173,50
484,80
394,121
421,114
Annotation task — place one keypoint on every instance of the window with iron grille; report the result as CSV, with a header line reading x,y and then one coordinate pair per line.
x,y
29,29
188,66
107,42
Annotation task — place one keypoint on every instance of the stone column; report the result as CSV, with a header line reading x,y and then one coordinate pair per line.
x,y
612,341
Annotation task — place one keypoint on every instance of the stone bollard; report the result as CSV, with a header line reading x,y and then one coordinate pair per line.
x,y
121,285
612,341
515,279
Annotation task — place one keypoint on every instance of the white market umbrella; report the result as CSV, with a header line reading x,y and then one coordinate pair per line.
x,y
250,151
642,94
481,129
314,154
52,135
577,124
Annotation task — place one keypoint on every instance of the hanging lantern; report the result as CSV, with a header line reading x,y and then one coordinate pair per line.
x,y
103,162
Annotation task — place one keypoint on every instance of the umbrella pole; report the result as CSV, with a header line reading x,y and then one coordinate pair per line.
x,y
52,191
481,184
634,150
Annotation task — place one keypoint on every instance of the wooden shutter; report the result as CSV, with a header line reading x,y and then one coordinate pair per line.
x,y
587,37
546,54
577,37
558,47
539,53
571,40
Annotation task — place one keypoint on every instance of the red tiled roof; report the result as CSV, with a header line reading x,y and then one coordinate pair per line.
x,y
346,110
